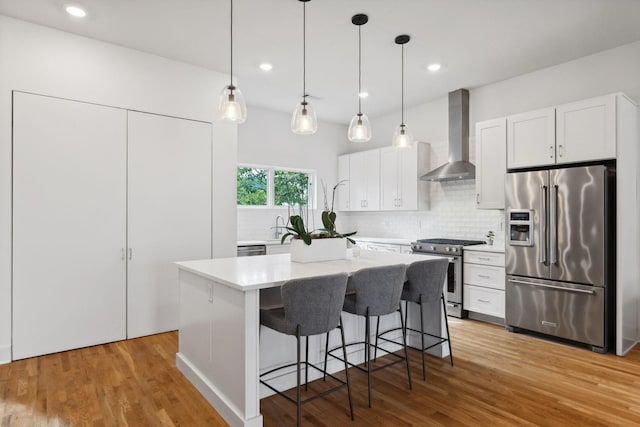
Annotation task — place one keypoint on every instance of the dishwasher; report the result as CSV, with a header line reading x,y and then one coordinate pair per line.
x,y
251,250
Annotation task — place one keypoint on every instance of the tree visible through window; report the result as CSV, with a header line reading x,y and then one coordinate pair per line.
x,y
290,188
252,186
269,187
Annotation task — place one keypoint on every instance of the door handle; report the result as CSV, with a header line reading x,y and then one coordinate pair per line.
x,y
553,237
130,254
484,276
543,224
544,285
551,151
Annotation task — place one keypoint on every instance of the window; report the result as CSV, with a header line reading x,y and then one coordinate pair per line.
x,y
252,186
272,187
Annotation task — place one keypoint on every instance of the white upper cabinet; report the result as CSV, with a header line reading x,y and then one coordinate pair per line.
x,y
531,139
491,163
582,131
364,181
398,178
343,190
586,130
384,179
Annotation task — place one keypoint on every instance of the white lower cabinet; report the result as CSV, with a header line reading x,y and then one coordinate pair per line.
x,y
383,247
104,200
484,276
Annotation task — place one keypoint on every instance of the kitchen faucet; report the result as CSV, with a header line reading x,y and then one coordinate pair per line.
x,y
279,228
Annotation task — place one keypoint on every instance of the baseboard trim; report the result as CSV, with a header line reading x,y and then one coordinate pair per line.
x,y
218,400
5,354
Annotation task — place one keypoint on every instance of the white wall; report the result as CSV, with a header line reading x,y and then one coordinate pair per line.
x,y
46,61
266,139
452,212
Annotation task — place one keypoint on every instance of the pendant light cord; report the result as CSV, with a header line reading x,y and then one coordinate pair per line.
x,y
231,50
359,70
304,51
402,88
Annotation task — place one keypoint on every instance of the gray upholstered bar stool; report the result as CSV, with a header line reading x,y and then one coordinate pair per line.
x,y
425,287
312,306
371,292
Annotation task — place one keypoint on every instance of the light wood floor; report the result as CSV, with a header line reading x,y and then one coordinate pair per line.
x,y
498,379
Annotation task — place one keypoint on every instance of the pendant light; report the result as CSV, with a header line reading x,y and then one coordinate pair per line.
x,y
402,138
231,107
359,128
304,120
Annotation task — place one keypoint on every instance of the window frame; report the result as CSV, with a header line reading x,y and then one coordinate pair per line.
x,y
312,191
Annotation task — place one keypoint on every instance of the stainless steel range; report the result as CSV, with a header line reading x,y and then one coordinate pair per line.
x,y
452,249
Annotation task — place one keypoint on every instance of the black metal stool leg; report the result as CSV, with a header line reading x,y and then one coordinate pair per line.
x,y
406,354
346,366
306,364
424,366
446,322
298,391
326,354
375,347
367,355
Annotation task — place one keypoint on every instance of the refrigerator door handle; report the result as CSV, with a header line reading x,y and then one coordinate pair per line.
x,y
553,235
544,285
543,224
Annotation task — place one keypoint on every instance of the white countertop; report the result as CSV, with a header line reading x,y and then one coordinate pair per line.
x,y
257,272
498,248
390,241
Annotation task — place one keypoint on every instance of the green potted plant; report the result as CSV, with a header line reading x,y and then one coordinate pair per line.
x,y
490,236
329,244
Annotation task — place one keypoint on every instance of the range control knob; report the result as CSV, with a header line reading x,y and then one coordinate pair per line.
x,y
433,248
447,249
454,249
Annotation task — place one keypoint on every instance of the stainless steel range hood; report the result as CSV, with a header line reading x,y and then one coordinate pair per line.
x,y
459,167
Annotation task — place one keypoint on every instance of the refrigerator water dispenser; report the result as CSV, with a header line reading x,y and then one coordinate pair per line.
x,y
521,227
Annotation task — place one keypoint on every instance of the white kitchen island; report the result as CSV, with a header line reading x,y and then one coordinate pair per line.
x,y
221,348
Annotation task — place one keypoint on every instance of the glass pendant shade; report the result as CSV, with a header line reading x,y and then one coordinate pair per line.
x,y
402,137
231,107
304,120
359,128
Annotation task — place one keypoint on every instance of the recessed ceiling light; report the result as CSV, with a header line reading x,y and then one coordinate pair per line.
x,y
433,67
265,66
76,11
363,94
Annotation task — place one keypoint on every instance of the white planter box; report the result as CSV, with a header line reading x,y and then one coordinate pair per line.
x,y
318,250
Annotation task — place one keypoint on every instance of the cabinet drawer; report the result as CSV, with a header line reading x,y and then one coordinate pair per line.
x,y
484,300
382,247
487,258
483,275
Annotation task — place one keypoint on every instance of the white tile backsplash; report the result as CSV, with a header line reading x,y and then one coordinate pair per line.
x,y
453,214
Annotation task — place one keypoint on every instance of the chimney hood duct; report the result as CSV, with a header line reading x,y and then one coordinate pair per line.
x,y
459,167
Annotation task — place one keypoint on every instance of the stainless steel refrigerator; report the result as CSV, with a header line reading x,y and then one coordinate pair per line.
x,y
560,253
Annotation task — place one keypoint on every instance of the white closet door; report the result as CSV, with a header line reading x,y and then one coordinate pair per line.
x,y
169,214
69,213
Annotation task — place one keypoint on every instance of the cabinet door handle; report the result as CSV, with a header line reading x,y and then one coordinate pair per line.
x,y
551,151
483,300
130,253
484,276
477,198
560,150
484,258
399,203
210,293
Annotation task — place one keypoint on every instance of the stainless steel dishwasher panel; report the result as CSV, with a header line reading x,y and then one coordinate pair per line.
x,y
251,250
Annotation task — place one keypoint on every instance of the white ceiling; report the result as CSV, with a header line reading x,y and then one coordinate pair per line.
x,y
477,42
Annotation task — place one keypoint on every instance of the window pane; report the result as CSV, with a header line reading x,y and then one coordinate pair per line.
x,y
291,188
252,187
